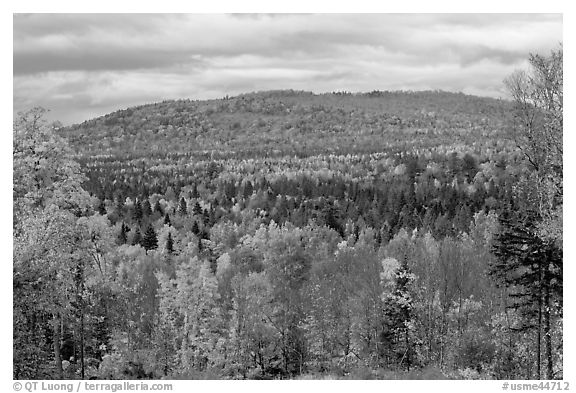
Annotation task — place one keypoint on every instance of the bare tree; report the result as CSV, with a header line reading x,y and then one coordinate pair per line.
x,y
538,98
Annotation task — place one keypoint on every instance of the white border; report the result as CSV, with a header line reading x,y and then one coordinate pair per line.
x,y
107,6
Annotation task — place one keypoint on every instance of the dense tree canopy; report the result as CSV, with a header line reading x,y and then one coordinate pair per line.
x,y
285,234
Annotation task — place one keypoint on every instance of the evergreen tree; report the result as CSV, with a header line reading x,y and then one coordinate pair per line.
x,y
196,210
167,220
378,239
170,244
195,229
248,189
331,219
137,238
531,270
122,238
120,207
150,240
146,208
398,312
137,214
158,208
183,207
195,192
102,208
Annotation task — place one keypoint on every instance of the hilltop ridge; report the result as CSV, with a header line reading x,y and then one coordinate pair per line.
x,y
288,121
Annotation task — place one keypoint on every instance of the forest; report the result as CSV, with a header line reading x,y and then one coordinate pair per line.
x,y
293,235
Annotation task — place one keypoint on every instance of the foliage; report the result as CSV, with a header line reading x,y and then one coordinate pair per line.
x,y
283,235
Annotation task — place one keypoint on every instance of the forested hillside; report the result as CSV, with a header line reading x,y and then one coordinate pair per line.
x,y
291,122
287,234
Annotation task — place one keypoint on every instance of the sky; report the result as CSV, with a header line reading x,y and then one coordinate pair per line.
x,y
80,66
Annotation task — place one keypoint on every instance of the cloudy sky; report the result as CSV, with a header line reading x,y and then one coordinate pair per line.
x,y
84,65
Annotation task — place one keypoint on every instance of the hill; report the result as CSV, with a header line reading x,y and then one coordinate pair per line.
x,y
291,122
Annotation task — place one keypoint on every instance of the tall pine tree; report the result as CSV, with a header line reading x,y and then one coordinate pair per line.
x,y
531,270
183,207
150,240
122,238
137,213
170,244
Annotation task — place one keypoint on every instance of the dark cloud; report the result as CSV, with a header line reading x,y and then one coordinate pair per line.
x,y
94,59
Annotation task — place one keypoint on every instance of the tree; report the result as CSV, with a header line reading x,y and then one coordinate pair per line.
x,y
170,243
48,197
531,270
138,213
398,308
97,238
44,172
137,237
248,189
183,207
196,210
529,246
538,128
538,114
122,238
158,208
195,193
331,219
45,255
195,229
188,306
150,240
146,208
287,265
102,208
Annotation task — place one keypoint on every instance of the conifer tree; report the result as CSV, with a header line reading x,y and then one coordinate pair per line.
x,y
531,270
102,208
137,238
195,193
120,207
137,214
170,244
146,208
183,207
122,238
196,210
195,229
331,219
167,219
248,189
398,311
150,240
158,208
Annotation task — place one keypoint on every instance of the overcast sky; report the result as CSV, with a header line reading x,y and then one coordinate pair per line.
x,y
85,65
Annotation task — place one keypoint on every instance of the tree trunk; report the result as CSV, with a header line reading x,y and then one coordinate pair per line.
x,y
539,328
548,335
57,338
510,339
82,344
407,349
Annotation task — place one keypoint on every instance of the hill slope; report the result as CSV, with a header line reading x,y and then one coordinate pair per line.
x,y
290,122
